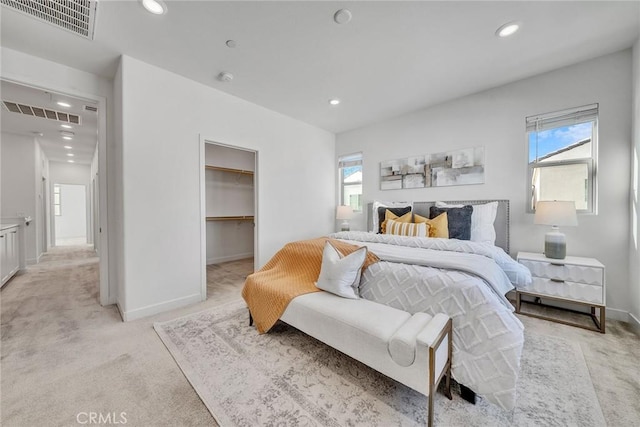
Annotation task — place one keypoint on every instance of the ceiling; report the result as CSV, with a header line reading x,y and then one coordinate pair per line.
x,y
48,131
392,58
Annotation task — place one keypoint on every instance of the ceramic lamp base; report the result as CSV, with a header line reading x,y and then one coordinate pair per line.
x,y
555,245
344,226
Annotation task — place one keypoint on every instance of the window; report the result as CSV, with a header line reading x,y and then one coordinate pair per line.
x,y
57,206
350,170
563,156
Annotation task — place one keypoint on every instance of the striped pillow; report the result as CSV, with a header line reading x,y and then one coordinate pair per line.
x,y
407,229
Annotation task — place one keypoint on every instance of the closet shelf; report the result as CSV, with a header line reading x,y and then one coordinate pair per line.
x,y
219,168
230,218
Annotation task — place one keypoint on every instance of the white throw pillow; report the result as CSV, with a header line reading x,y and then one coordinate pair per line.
x,y
482,219
378,204
341,275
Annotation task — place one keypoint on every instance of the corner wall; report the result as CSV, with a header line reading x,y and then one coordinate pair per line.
x,y
495,119
164,116
634,250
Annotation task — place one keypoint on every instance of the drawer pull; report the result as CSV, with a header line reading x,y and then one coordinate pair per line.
x,y
557,264
557,280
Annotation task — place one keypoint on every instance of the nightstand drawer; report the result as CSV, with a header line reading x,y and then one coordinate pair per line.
x,y
588,275
567,289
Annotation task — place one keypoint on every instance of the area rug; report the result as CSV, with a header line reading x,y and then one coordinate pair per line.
x,y
287,378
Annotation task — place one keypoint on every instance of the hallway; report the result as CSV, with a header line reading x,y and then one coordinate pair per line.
x,y
63,354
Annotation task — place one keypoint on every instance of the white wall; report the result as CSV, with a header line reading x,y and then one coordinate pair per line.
x,y
41,181
19,193
27,69
634,250
161,180
495,119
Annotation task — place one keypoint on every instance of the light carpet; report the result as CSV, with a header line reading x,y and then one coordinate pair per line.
x,y
288,378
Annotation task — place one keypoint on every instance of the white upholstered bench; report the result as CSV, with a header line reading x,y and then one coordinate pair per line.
x,y
414,350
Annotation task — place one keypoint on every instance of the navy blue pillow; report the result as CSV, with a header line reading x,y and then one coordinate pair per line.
x,y
459,220
382,210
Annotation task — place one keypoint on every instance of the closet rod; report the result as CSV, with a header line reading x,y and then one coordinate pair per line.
x,y
219,168
230,218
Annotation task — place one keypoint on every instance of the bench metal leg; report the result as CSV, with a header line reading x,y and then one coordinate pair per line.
x,y
468,394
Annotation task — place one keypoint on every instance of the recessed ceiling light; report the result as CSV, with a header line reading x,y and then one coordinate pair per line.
x,y
66,126
334,101
68,147
70,154
68,138
157,7
71,161
231,43
64,104
508,29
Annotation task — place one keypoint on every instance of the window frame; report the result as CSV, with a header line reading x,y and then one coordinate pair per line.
x,y
590,162
57,204
349,160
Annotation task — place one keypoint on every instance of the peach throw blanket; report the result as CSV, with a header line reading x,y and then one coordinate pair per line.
x,y
291,272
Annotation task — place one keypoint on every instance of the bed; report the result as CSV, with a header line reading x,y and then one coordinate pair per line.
x,y
463,279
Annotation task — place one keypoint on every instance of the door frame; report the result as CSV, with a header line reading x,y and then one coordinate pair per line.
x,y
203,206
107,290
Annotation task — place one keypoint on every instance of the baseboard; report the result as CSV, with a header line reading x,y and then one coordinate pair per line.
x,y
33,261
634,323
615,314
150,310
236,257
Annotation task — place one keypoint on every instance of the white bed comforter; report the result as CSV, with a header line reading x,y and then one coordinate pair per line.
x,y
465,280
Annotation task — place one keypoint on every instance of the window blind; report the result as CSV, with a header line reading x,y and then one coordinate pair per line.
x,y
350,160
573,116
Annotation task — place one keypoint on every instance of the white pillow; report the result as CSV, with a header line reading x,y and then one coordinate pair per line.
x,y
341,275
482,219
377,204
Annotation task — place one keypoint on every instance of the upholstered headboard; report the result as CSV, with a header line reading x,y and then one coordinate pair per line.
x,y
501,224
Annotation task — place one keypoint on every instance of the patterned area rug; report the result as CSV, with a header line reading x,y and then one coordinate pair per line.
x,y
287,378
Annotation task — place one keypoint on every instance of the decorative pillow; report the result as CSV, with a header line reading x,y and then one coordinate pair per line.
x,y
382,212
459,220
341,275
482,219
406,229
390,215
438,226
377,219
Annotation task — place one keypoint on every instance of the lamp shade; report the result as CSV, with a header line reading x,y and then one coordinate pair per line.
x,y
558,213
344,212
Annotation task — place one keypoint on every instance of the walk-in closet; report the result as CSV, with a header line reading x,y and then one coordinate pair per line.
x,y
230,217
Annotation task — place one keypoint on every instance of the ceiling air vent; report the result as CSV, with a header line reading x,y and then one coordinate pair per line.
x,y
45,113
91,108
77,16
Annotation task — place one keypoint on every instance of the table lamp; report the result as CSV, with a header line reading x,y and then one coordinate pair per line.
x,y
344,213
555,213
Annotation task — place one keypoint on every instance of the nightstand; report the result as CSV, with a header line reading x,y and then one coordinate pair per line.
x,y
574,280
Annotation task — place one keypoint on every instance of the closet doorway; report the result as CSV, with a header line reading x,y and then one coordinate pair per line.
x,y
230,227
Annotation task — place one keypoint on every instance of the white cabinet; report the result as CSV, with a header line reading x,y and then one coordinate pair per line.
x,y
575,280
9,246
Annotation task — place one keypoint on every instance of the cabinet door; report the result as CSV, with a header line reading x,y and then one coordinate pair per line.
x,y
4,267
12,251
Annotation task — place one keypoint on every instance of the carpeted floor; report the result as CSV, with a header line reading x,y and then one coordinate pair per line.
x,y
64,356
